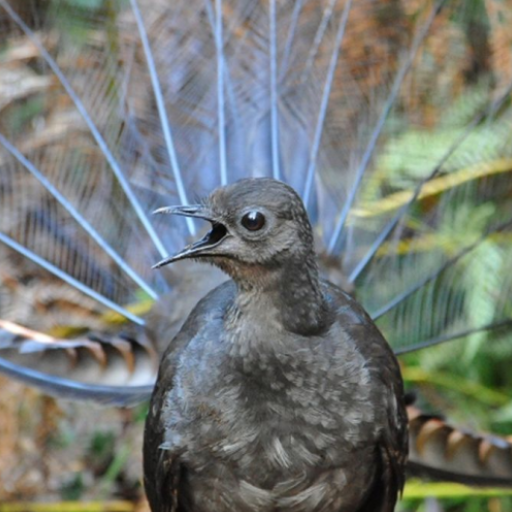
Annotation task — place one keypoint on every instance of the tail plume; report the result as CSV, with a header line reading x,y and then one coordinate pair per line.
x,y
391,118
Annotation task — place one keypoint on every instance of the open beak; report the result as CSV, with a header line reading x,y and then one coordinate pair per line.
x,y
202,247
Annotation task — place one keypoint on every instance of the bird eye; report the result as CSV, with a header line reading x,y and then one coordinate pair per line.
x,y
253,221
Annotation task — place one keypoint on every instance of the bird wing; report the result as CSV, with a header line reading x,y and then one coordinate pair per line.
x,y
392,448
162,469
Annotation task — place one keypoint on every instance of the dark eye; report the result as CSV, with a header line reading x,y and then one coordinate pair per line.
x,y
253,221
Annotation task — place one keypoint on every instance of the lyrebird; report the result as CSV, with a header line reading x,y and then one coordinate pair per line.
x,y
400,157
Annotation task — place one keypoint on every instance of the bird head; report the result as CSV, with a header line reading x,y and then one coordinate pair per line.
x,y
257,224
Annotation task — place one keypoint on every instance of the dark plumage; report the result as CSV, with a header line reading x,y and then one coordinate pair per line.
x,y
279,393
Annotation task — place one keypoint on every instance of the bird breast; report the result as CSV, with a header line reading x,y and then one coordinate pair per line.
x,y
266,397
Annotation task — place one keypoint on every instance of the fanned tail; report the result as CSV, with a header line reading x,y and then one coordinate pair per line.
x,y
388,117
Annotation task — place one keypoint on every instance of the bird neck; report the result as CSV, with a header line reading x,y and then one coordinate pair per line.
x,y
292,294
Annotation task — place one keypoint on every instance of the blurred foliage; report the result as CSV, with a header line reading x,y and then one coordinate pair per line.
x,y
469,379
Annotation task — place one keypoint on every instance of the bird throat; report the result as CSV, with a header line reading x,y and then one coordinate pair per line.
x,y
291,295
